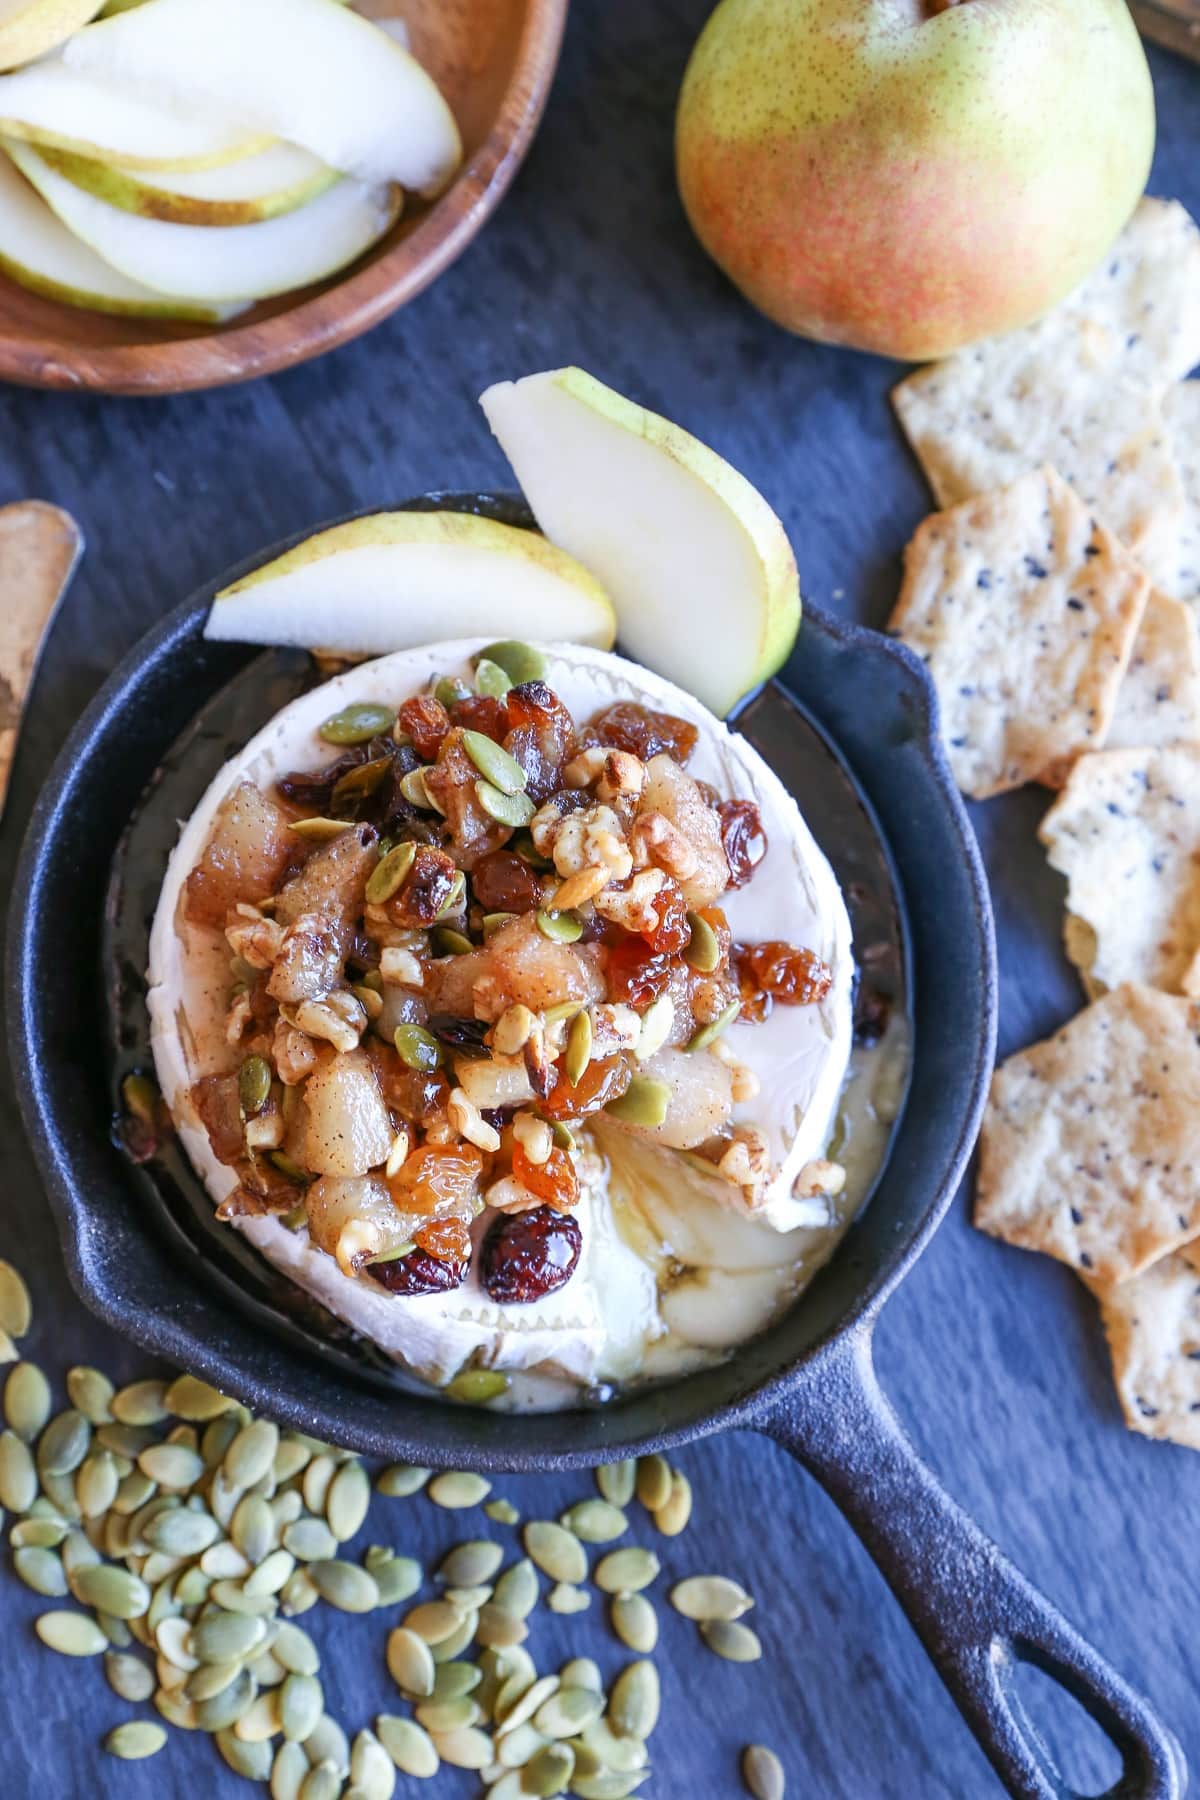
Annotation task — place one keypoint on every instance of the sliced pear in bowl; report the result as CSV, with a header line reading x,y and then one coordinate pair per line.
x,y
30,28
699,568
48,103
395,580
221,263
276,180
309,71
38,252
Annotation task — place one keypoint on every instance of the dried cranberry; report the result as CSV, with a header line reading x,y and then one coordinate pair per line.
x,y
743,838
503,882
420,1273
794,977
641,731
424,890
636,973
600,1083
426,722
529,1255
481,712
555,1181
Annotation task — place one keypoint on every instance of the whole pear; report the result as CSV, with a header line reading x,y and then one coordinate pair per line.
x,y
908,176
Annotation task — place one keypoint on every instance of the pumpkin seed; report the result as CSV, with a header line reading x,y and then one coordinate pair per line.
x,y
96,1484
502,1512
566,928
736,1643
418,1048
469,1748
396,1577
447,1715
319,831
344,1585
762,1773
595,1521
410,1748
549,1771
210,1679
18,1477
458,1640
494,762
327,1742
516,1592
415,791
563,1598
635,1701
224,1636
124,1440
371,1768
271,1575
321,1783
626,1571
226,1710
450,689
645,1102
635,1622
347,1501
703,1597
136,1740
192,1587
520,1696
252,1760
301,1704
295,1650
434,1621
90,1392
231,1596
78,1553
518,1745
252,1452
556,1551
16,1308
508,1787
141,1403
59,1491
653,1482
499,1628
41,1569
310,1539
64,1444
221,1562
128,1676
702,951
317,1478
582,1672
112,1590
27,1400
507,809
475,1387
457,1489
37,1534
389,873
288,1772
447,942
567,1711
672,1518
252,1528
453,1680
290,1458
490,679
410,1663
171,1465
471,1563
520,662
254,1086
708,1034
357,723
608,1785
616,1481
70,1633
299,1594
182,1532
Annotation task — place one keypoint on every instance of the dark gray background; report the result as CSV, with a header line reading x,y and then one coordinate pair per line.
x,y
995,1359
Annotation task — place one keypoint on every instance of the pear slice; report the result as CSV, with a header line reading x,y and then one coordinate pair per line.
x,y
51,104
29,28
38,251
222,262
698,566
395,580
264,186
309,71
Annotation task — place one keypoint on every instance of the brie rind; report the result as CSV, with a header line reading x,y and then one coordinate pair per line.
x,y
594,1327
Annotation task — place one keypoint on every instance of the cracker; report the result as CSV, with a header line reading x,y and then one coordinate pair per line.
x,y
1091,1143
1159,699
1181,409
1025,612
1153,1328
1081,389
1126,834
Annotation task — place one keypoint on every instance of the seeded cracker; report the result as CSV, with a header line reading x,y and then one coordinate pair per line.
x,y
1153,1329
1126,834
1025,612
1159,699
1081,389
1091,1144
1181,409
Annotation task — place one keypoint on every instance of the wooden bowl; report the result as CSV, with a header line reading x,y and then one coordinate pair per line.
x,y
494,60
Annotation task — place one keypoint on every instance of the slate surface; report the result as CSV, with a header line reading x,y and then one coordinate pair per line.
x,y
993,1358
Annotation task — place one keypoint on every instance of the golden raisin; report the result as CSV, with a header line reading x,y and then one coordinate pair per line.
x,y
555,1181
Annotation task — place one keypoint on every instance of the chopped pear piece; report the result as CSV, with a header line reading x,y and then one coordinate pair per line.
x,y
392,581
29,28
222,262
306,70
273,181
51,104
698,566
38,251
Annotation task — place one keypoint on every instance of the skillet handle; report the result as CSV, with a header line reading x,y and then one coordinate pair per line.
x,y
977,1616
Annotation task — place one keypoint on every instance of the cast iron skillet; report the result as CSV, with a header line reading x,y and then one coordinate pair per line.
x,y
809,1383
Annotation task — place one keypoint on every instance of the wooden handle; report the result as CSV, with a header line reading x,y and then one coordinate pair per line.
x,y
39,548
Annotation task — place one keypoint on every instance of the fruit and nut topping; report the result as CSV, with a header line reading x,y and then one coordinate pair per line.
x,y
481,923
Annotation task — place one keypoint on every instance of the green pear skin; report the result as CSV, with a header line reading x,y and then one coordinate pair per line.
x,y
882,174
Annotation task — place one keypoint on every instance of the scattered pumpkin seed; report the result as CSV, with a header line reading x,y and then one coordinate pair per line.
x,y
96,1484
299,1595
18,1477
327,1742
253,1528
635,1622
439,1716
182,1532
450,689
702,951
416,792
124,1440
494,922
317,1478
452,1680
517,1589
595,1521
288,1772
70,1633
556,1551
227,1709
520,1696
616,1481
63,1444
708,1034
471,1563
410,1748
635,1700
763,1773
301,1704
581,1671
736,1643
389,873
27,1400
563,1598
672,1518
434,1621
653,1482
224,1636
549,1771
490,679
520,662
703,1597
210,1679
16,1308
645,1102
38,1534
171,1465
319,831
135,1740
494,762
128,1676
113,1590
468,1748
626,1571
608,1785
448,942
251,1760
41,1569
272,1574
90,1392
250,1455
458,1640
310,1539
371,1768
567,1712
506,809
418,1048
344,1585
475,1387
502,1512
357,723
190,1398
347,1501
396,1577
458,1489
410,1662
141,1403
496,1627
